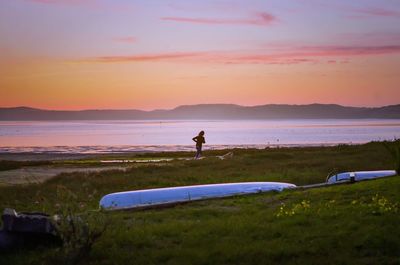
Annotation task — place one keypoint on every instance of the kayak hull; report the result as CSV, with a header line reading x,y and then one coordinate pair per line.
x,y
165,196
360,175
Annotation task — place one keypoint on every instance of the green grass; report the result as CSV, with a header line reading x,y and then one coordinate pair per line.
x,y
345,224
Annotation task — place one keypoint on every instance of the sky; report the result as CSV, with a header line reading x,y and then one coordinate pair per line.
x,y
159,54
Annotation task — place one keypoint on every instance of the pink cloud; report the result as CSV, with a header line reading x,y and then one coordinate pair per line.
x,y
381,37
149,57
380,12
126,39
288,55
63,2
260,19
349,50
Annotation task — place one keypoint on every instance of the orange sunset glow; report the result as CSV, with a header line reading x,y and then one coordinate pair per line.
x,y
199,132
132,54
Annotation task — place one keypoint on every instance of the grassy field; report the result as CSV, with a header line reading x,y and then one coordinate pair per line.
x,y
346,224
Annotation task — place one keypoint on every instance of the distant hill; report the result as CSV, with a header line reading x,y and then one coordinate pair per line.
x,y
210,111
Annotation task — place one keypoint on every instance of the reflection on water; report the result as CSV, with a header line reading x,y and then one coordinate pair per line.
x,y
127,136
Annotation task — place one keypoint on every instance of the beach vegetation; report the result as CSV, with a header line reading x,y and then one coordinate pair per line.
x,y
305,226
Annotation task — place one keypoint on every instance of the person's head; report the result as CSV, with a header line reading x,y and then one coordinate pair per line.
x,y
201,133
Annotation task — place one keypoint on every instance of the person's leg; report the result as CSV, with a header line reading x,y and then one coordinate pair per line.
x,y
198,153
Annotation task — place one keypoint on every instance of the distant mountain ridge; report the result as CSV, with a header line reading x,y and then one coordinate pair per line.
x,y
209,112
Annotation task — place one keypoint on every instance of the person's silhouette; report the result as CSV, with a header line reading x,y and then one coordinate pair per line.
x,y
200,140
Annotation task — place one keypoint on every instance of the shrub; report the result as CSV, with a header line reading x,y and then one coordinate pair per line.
x,y
78,230
394,149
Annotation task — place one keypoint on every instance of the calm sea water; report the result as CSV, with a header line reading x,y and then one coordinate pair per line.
x,y
122,136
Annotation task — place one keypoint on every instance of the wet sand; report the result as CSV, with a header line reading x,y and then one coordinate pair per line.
x,y
64,163
49,156
38,174
69,163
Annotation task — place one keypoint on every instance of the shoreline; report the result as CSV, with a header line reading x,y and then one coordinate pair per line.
x,y
56,153
23,167
126,149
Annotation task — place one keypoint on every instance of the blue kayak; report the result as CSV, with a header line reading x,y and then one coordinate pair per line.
x,y
165,196
360,175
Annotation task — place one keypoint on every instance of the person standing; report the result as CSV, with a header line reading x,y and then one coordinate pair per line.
x,y
200,140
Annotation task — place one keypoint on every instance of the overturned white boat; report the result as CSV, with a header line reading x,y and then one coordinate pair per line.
x,y
165,196
359,175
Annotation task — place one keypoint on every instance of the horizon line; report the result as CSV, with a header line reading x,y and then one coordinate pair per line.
x,y
198,104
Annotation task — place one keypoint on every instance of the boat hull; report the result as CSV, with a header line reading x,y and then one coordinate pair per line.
x,y
166,196
360,175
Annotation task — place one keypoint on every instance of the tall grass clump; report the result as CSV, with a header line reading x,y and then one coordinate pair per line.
x,y
394,149
77,226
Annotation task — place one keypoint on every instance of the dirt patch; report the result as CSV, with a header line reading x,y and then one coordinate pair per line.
x,y
43,173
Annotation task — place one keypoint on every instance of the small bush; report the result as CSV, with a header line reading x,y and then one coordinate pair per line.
x,y
78,230
394,149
